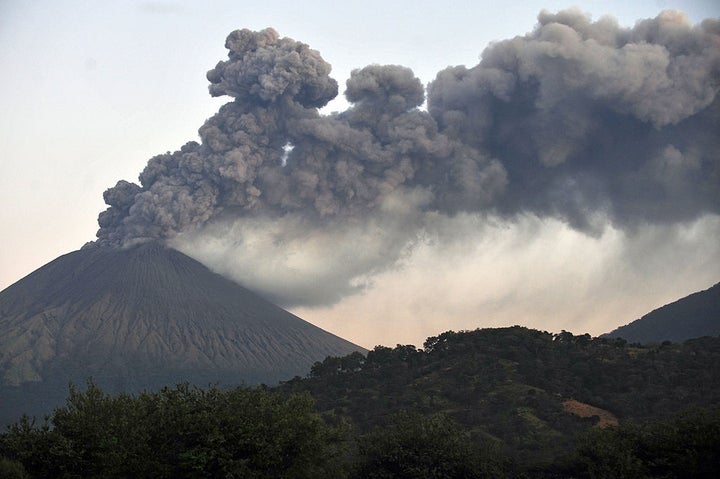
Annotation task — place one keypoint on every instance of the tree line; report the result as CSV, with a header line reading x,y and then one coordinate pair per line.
x,y
478,404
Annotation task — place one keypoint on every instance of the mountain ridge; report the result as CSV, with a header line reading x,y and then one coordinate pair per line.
x,y
692,316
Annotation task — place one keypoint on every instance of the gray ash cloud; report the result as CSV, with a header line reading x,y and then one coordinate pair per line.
x,y
583,121
588,117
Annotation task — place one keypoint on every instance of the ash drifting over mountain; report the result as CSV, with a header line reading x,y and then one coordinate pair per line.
x,y
583,121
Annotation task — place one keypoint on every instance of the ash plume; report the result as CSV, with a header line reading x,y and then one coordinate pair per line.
x,y
589,118
582,121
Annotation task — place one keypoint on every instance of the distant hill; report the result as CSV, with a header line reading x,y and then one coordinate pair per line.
x,y
693,316
139,319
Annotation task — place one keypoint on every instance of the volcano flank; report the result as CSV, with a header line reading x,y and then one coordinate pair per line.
x,y
142,318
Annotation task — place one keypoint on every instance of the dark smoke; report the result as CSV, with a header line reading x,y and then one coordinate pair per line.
x,y
590,118
582,121
339,165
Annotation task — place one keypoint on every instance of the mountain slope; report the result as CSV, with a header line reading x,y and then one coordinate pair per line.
x,y
142,318
693,316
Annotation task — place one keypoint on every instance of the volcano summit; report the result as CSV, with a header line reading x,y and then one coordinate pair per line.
x,y
139,319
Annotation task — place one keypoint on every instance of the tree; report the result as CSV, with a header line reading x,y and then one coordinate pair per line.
x,y
42,451
412,446
612,453
12,469
180,432
104,434
687,445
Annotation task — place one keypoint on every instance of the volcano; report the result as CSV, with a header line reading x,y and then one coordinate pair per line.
x,y
143,318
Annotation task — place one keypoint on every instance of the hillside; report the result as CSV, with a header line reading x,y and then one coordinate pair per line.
x,y
519,387
693,316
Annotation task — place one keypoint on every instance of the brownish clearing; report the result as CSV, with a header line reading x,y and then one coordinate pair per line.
x,y
585,410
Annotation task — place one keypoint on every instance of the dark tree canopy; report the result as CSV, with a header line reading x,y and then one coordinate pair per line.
x,y
471,404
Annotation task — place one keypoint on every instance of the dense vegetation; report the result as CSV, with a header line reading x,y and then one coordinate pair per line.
x,y
176,433
510,384
486,403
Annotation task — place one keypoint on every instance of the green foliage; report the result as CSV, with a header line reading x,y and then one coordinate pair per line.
x,y
460,407
510,383
610,453
10,469
417,447
181,432
686,445
333,365
245,433
103,435
42,451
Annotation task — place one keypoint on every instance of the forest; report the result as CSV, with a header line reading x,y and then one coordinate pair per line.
x,y
490,403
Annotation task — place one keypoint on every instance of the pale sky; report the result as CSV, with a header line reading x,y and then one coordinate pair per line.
x,y
91,90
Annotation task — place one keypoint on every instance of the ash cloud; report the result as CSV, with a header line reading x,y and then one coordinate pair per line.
x,y
585,117
585,122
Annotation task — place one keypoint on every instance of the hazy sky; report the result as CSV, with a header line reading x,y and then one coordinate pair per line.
x,y
92,90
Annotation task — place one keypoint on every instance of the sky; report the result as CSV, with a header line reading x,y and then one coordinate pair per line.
x,y
92,90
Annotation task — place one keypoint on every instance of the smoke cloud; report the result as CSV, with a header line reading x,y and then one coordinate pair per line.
x,y
590,118
586,123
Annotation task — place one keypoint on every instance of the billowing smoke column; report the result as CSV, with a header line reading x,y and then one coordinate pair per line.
x,y
590,118
587,122
339,165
